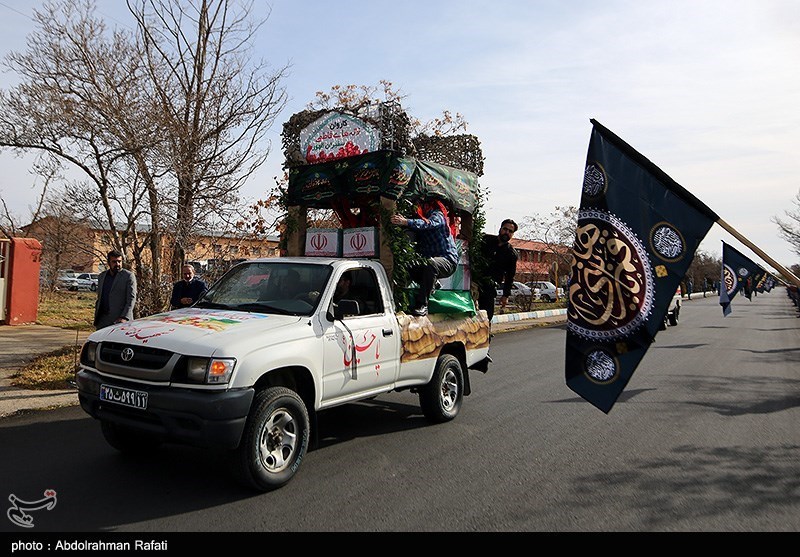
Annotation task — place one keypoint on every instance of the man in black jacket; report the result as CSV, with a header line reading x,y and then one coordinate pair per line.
x,y
501,260
187,291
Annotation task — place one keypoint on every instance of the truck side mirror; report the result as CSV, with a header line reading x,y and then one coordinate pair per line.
x,y
344,308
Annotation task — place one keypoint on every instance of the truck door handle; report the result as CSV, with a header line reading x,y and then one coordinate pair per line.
x,y
387,332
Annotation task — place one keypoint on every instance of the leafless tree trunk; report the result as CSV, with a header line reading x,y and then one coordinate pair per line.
x,y
215,102
81,101
165,124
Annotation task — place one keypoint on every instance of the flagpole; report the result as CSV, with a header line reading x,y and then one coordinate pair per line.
x,y
785,272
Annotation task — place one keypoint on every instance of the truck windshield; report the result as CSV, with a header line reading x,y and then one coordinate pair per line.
x,y
284,288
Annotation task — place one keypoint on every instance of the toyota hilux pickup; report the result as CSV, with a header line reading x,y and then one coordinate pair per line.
x,y
249,367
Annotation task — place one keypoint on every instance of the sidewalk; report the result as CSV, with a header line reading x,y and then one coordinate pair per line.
x,y
20,345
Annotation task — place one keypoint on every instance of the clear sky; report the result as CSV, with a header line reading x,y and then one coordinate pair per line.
x,y
706,89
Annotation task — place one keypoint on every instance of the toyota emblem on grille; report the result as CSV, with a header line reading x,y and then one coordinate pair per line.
x,y
127,355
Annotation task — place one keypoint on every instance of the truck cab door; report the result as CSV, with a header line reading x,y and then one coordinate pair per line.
x,y
361,351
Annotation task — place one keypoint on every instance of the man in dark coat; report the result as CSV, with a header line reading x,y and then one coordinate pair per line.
x,y
187,291
116,293
501,262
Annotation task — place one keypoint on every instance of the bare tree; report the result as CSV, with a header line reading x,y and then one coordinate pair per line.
x,y
790,229
46,167
556,230
165,124
704,270
213,100
83,100
64,232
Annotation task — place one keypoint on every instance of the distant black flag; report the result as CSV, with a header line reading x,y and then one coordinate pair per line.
x,y
738,273
761,283
769,282
758,280
637,233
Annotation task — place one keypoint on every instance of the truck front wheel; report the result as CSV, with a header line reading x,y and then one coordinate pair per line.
x,y
441,398
274,441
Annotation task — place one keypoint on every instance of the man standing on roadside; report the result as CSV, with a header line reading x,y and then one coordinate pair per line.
x,y
187,291
501,263
116,293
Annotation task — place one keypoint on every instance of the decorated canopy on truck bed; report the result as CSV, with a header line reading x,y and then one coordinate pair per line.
x,y
384,173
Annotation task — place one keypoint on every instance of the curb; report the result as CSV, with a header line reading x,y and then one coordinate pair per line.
x,y
524,316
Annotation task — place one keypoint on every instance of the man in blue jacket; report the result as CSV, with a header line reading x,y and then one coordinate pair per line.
x,y
435,242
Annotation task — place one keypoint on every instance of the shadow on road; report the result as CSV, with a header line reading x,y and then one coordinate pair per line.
x,y
740,396
99,489
684,346
696,483
785,354
367,418
626,395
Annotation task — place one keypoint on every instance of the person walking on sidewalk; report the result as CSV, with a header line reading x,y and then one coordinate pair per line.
x,y
116,293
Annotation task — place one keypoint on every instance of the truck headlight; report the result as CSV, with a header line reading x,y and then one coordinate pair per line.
x,y
89,353
213,371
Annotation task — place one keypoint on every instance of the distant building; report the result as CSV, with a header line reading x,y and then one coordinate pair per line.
x,y
70,245
536,261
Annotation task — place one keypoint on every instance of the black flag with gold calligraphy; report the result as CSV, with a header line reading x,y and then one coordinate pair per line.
x,y
637,233
739,273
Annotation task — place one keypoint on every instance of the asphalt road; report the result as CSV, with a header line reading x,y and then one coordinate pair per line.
x,y
705,438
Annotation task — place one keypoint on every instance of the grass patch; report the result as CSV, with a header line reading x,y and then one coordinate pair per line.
x,y
48,371
527,305
67,310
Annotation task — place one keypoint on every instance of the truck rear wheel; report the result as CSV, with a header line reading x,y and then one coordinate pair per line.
x,y
441,398
673,317
274,441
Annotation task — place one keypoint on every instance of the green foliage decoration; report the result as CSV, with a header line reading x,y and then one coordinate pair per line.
x,y
404,254
478,265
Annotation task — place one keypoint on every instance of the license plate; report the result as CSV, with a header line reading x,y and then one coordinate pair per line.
x,y
125,397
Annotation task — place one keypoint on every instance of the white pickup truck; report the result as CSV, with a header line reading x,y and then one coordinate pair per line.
x,y
673,311
251,364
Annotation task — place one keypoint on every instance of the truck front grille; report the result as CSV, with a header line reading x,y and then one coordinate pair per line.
x,y
141,357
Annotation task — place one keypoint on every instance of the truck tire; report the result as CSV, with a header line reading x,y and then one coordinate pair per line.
x,y
673,317
127,440
441,398
274,441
